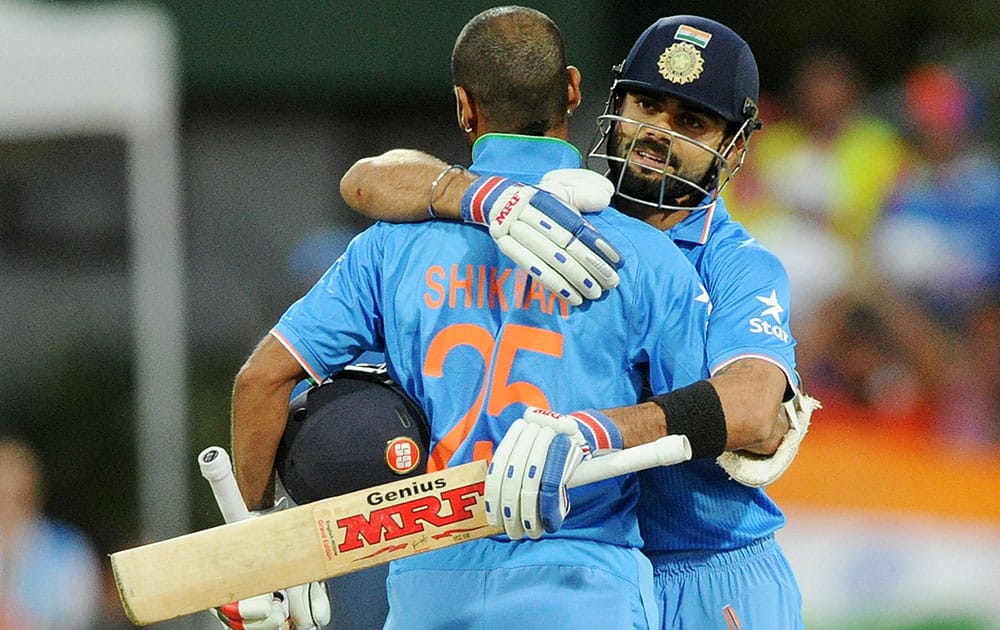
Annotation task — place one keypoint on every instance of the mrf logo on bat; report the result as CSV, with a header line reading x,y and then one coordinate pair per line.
x,y
425,514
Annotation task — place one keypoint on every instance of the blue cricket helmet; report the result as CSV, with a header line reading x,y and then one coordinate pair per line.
x,y
356,430
704,64
698,60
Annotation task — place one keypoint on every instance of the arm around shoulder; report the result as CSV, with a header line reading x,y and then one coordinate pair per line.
x,y
396,186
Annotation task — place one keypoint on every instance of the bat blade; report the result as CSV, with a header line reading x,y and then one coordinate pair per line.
x,y
302,544
332,537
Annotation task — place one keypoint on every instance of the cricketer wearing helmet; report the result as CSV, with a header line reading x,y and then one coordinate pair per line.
x,y
676,130
475,340
677,127
678,120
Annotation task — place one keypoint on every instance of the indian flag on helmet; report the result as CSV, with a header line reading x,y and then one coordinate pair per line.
x,y
692,35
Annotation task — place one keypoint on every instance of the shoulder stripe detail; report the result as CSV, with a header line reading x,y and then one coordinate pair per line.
x,y
313,374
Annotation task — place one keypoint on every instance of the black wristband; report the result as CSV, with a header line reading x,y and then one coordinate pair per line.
x,y
696,411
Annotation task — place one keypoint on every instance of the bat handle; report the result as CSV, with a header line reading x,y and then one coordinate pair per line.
x,y
218,470
670,449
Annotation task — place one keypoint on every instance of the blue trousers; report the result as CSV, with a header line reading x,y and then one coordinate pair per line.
x,y
493,584
744,589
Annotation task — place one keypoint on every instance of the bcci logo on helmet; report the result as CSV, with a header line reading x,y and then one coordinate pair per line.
x,y
681,63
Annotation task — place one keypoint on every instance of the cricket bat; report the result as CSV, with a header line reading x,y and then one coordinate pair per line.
x,y
330,537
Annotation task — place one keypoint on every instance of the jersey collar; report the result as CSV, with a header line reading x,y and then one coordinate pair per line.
x,y
524,158
697,226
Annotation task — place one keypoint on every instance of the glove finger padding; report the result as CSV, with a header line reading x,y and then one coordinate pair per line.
x,y
542,460
553,499
526,483
581,188
261,612
557,452
564,282
555,212
757,471
514,479
570,255
309,606
583,250
497,474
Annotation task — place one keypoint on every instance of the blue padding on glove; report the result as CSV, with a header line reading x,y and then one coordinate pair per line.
x,y
553,503
564,216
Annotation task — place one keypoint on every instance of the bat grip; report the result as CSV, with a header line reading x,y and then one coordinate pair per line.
x,y
670,449
218,470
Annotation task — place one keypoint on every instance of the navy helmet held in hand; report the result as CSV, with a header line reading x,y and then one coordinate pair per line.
x,y
356,430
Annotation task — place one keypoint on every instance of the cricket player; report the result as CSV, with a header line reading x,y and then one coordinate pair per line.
x,y
476,341
676,129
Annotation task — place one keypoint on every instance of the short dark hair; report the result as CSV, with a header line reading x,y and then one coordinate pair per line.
x,y
512,61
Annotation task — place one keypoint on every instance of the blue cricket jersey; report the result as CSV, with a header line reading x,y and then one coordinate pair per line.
x,y
695,506
474,340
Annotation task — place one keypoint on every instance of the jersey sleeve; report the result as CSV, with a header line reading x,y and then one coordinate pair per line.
x,y
751,304
339,318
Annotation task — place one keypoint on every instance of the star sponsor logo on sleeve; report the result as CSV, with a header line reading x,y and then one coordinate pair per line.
x,y
773,310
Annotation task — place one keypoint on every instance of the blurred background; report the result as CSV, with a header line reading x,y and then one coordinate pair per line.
x,y
169,184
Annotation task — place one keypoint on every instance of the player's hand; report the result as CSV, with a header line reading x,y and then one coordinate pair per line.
x,y
526,483
309,606
545,236
261,612
758,471
581,188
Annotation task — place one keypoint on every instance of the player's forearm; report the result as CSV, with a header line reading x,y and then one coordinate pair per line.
x,y
751,391
396,186
639,424
261,395
254,441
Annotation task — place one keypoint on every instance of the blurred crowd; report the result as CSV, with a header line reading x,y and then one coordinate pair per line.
x,y
51,576
888,222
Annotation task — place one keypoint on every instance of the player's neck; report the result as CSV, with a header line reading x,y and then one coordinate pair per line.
x,y
660,218
666,219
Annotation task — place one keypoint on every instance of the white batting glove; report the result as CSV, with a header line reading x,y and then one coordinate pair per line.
x,y
305,607
309,606
261,612
525,488
581,188
545,236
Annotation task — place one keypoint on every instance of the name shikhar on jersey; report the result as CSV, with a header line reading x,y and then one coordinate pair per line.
x,y
486,286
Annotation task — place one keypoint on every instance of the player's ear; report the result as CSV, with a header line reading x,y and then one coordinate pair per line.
x,y
464,110
573,93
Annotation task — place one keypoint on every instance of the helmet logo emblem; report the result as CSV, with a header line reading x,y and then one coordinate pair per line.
x,y
402,455
681,63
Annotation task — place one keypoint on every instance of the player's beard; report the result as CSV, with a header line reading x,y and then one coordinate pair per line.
x,y
646,184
